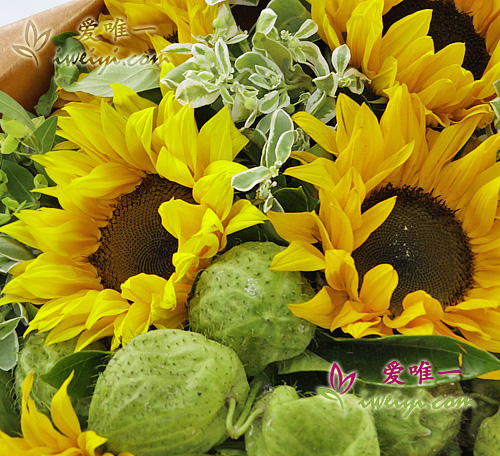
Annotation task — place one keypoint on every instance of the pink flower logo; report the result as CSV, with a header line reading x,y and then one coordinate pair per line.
x,y
337,379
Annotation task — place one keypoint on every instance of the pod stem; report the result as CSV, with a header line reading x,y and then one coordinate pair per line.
x,y
484,398
236,430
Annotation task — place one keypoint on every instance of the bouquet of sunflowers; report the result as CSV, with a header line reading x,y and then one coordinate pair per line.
x,y
255,228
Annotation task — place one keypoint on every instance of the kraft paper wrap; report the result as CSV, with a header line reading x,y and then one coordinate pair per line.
x,y
27,50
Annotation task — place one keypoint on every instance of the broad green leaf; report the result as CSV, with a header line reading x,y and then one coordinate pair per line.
x,y
46,134
9,416
11,108
87,366
131,72
305,362
14,250
59,40
295,200
291,14
9,349
20,181
248,179
369,358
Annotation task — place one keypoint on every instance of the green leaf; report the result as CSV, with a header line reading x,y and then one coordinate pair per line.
x,y
14,128
87,366
129,72
9,416
20,182
9,349
291,14
59,40
14,250
305,362
46,134
6,327
11,108
47,100
369,358
9,145
295,200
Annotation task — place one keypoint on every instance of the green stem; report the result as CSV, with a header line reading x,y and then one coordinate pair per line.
x,y
246,418
485,398
239,431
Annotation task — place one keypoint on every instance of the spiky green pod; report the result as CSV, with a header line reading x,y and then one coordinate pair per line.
x,y
165,393
39,358
241,303
311,426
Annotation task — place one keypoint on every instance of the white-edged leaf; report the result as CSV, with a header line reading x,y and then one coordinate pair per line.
x,y
341,57
281,122
248,179
284,147
179,48
266,21
307,29
195,93
9,349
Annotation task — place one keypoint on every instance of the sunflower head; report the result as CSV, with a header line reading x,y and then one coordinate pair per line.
x,y
416,250
445,51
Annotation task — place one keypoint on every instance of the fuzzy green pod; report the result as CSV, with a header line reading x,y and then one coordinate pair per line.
x,y
241,303
311,426
165,393
407,425
490,389
488,437
39,358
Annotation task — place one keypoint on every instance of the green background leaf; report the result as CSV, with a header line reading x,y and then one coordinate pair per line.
x,y
86,364
20,182
369,358
138,77
46,134
12,109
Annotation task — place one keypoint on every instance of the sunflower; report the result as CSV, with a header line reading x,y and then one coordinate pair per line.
x,y
146,202
408,238
132,26
445,51
41,437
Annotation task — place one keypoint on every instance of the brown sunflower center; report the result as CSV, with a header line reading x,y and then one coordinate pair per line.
x,y
134,239
448,25
424,242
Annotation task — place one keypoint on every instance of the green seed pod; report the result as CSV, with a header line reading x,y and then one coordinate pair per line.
x,y
311,426
39,358
489,389
9,416
488,437
165,393
241,303
407,425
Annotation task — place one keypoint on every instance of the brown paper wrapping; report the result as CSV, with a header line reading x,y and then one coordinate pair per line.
x,y
27,50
